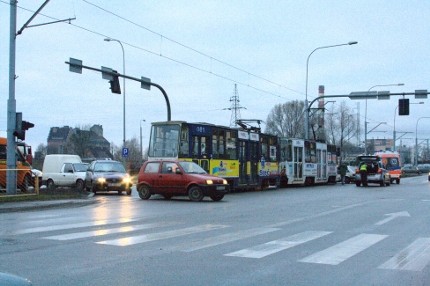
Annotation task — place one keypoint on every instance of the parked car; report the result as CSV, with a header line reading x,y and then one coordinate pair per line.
x,y
107,175
63,170
424,168
376,174
410,169
179,178
349,176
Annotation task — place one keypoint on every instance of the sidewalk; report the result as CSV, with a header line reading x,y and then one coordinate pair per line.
x,y
7,207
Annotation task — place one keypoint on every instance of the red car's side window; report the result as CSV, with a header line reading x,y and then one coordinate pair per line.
x,y
152,167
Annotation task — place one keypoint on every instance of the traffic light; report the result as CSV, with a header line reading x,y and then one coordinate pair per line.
x,y
114,84
404,106
21,126
27,125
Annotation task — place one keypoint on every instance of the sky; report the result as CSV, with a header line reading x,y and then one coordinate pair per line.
x,y
199,50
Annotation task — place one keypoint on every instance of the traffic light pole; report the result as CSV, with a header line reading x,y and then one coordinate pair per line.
x,y
76,66
11,108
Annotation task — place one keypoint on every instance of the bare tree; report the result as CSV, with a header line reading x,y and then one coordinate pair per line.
x,y
286,120
78,142
134,158
341,126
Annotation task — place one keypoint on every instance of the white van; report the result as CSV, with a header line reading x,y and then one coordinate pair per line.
x,y
63,170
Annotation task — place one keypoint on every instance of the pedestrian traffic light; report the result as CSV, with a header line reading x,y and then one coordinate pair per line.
x,y
404,106
114,84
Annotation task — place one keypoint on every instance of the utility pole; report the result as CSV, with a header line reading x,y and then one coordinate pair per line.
x,y
11,103
235,108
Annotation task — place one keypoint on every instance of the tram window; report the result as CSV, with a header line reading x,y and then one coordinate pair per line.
x,y
215,146
272,153
195,147
231,146
184,146
164,140
203,146
221,142
264,150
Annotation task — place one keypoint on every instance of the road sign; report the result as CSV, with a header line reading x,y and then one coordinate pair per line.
x,y
125,152
75,65
145,83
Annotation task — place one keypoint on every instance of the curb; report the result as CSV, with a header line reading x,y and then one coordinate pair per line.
x,y
38,205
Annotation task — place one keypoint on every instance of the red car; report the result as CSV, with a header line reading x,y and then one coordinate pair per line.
x,y
179,178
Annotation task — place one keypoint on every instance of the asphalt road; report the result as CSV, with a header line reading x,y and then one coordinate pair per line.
x,y
322,235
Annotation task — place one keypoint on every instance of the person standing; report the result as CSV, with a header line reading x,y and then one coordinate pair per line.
x,y
342,171
363,173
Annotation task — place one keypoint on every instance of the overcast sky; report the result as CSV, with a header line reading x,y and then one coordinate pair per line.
x,y
198,50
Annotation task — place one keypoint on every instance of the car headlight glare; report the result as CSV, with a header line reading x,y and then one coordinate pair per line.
x,y
225,182
209,182
126,180
101,180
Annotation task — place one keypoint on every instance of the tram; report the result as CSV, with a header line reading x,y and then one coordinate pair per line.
x,y
307,162
245,157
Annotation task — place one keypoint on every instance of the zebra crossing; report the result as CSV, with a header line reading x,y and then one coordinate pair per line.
x,y
128,232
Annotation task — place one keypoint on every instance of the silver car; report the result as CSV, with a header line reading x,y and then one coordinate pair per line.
x,y
376,173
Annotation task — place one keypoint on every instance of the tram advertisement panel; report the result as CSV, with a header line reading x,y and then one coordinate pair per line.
x,y
266,169
310,169
225,168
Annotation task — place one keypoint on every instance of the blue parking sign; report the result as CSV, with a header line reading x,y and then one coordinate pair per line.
x,y
125,152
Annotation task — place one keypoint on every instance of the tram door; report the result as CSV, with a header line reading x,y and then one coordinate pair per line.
x,y
254,160
319,165
242,162
298,162
248,162
200,151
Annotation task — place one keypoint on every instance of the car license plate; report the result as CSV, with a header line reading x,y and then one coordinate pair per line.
x,y
114,184
220,188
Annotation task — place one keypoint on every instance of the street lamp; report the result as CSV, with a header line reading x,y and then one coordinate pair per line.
x,y
416,139
394,130
141,144
123,83
306,92
365,111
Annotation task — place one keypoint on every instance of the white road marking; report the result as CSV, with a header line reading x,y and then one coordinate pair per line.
x,y
221,239
392,216
73,225
340,252
101,232
126,241
274,246
413,258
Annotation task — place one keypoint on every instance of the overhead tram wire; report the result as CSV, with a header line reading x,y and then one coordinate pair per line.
x,y
190,48
175,60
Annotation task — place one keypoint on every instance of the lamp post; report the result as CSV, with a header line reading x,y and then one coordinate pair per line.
x,y
306,125
141,144
365,111
394,130
123,83
416,139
